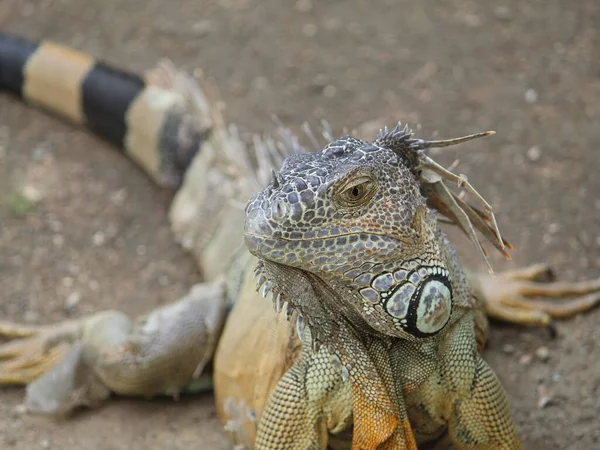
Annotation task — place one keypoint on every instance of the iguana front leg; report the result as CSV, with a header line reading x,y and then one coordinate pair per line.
x,y
79,362
310,401
529,296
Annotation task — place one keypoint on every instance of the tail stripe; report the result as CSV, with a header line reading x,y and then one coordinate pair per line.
x,y
53,76
107,95
14,54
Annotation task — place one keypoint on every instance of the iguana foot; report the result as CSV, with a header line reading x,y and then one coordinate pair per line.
x,y
529,296
32,350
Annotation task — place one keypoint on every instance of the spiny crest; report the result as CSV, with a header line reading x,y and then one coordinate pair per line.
x,y
264,285
431,175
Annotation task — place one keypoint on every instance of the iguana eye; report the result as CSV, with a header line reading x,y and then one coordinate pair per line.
x,y
357,192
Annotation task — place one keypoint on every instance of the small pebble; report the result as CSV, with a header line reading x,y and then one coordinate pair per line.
x,y
545,396
507,348
32,193
534,154
118,197
329,91
39,153
525,359
531,96
556,377
98,239
72,301
542,353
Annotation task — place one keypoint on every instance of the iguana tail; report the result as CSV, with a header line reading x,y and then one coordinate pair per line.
x,y
151,120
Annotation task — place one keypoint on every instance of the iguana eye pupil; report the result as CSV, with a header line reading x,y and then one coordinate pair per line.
x,y
356,191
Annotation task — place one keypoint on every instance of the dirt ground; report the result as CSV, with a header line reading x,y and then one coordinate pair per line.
x,y
98,237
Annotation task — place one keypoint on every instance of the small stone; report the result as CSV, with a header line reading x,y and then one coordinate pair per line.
x,y
32,193
534,153
72,301
507,348
118,197
553,228
141,250
545,396
329,91
556,377
526,359
543,354
98,239
68,282
531,96
39,153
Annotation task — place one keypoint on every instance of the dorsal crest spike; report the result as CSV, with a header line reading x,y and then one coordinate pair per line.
x,y
420,144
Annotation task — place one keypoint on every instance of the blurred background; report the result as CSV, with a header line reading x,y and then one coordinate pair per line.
x,y
83,231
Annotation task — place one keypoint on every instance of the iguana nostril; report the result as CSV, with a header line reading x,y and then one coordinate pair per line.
x,y
279,209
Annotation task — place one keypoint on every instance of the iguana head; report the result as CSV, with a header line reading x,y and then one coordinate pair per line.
x,y
352,218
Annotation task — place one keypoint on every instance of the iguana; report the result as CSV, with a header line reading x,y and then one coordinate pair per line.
x,y
367,369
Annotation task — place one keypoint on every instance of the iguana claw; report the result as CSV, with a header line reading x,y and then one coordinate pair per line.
x,y
529,296
32,350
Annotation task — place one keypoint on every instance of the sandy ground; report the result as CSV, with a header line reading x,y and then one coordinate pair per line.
x,y
99,238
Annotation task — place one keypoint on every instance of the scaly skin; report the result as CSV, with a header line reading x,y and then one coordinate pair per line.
x,y
345,236
259,358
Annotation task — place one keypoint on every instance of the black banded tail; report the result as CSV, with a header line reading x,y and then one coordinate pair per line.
x,y
152,125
